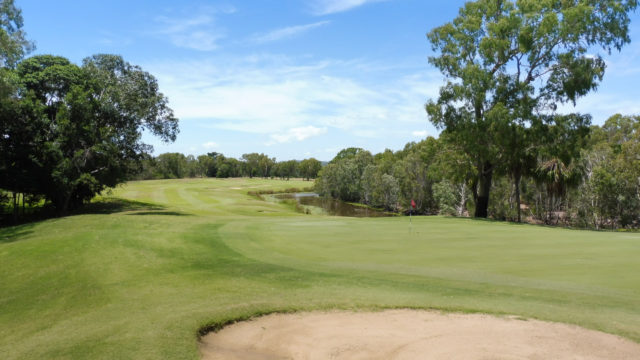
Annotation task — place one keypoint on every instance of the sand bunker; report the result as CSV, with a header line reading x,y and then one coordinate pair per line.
x,y
408,334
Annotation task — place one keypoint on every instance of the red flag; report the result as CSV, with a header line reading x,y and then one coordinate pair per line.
x,y
413,204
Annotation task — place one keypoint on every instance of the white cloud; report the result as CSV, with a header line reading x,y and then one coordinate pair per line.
x,y
197,32
325,7
420,133
298,134
210,145
287,99
287,32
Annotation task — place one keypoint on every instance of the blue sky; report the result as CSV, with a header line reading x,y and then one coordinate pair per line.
x,y
292,79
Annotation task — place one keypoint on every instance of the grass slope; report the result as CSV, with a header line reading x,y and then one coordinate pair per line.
x,y
148,267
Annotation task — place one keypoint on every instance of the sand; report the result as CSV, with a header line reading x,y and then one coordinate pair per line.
x,y
409,334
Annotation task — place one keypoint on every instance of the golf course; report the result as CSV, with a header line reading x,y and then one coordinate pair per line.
x,y
146,270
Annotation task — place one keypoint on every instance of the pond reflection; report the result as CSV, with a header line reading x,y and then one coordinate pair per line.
x,y
332,206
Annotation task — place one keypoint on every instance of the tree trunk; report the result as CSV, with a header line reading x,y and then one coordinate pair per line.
x,y
15,207
550,209
485,173
463,199
516,180
61,203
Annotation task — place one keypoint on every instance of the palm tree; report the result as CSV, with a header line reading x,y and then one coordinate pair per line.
x,y
558,176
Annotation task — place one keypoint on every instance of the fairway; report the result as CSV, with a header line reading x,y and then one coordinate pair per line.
x,y
156,261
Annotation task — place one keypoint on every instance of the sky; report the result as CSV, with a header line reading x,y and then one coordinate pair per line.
x,y
289,78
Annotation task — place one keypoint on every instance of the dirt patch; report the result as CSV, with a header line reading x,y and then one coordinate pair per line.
x,y
409,334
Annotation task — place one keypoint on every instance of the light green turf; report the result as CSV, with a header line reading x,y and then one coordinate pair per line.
x,y
137,279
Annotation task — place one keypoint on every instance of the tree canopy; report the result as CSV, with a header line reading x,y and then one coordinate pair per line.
x,y
70,131
13,40
509,64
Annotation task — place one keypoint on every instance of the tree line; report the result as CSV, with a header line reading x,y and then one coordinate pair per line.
x,y
504,148
589,177
214,164
68,131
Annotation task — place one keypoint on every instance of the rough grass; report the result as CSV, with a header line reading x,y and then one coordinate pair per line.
x,y
147,269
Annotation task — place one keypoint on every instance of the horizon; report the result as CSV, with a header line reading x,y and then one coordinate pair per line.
x,y
304,79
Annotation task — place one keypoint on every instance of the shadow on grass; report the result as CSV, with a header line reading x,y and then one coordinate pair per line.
x,y
116,205
162,213
541,225
101,206
15,233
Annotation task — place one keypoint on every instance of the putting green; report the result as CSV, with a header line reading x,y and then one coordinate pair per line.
x,y
159,260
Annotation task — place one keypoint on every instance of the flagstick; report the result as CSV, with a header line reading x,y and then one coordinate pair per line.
x,y
410,223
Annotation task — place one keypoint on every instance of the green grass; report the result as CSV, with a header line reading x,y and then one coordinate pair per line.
x,y
145,269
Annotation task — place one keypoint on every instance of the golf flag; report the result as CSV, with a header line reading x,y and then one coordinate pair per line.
x,y
413,206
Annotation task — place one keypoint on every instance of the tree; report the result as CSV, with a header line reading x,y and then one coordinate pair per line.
x,y
89,123
207,166
412,170
453,171
514,163
171,166
610,192
288,169
378,188
257,164
510,61
348,153
14,161
342,178
309,168
559,169
13,42
20,125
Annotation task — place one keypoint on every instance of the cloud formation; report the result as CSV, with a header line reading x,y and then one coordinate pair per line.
x,y
325,7
286,32
210,145
196,32
289,99
298,134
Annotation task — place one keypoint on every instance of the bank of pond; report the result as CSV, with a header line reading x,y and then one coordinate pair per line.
x,y
312,203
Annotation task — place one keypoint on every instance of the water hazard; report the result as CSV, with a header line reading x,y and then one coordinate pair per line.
x,y
330,206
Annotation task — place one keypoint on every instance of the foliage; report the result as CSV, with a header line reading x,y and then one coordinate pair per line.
x,y
309,168
609,194
258,164
445,196
171,166
507,63
379,189
13,42
214,164
83,126
341,178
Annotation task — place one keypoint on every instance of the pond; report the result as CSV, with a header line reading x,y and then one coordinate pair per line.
x,y
311,203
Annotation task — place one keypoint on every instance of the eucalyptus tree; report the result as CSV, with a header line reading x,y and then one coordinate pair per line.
x,y
309,168
342,177
171,166
290,169
511,61
610,192
348,153
414,170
